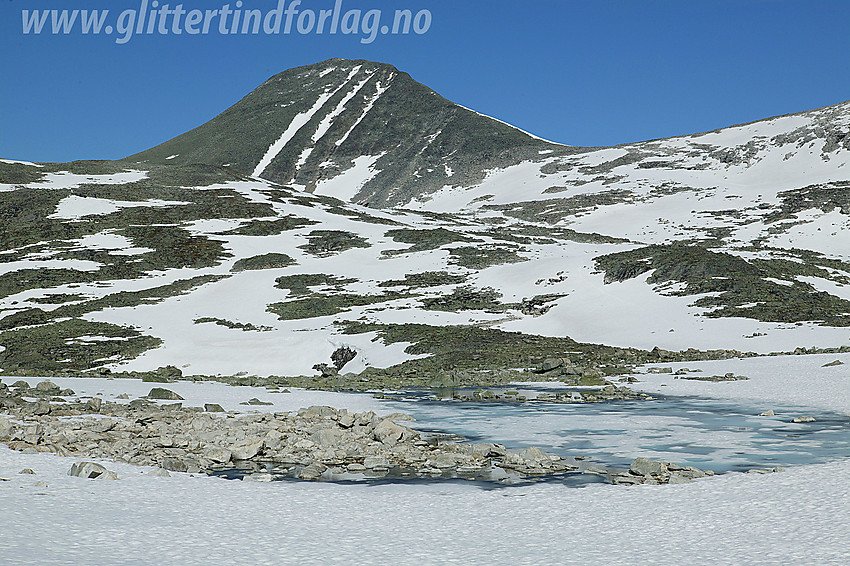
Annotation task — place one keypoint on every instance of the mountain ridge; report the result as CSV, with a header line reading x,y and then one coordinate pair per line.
x,y
310,124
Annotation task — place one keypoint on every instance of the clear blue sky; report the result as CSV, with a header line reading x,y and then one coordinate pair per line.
x,y
589,72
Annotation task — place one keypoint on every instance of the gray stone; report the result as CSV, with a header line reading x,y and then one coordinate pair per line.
x,y
162,393
213,408
31,433
534,454
346,420
158,473
313,472
91,470
488,450
803,419
444,460
169,372
264,477
626,479
551,363
217,454
318,411
327,437
41,408
376,462
645,467
255,401
274,440
6,427
94,404
174,464
391,433
27,471
47,387
246,449
691,473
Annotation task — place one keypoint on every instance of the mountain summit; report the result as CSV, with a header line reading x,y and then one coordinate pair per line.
x,y
359,130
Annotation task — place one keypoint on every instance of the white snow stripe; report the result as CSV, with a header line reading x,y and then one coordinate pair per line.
x,y
327,121
298,122
380,90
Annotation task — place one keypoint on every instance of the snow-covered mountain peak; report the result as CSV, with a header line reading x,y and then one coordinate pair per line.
x,y
361,130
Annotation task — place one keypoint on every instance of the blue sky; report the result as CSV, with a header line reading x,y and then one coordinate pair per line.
x,y
577,72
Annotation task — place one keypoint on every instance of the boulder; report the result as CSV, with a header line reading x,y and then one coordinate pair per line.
x,y
158,473
246,449
91,470
274,440
169,372
327,436
376,462
217,454
534,454
549,364
318,411
261,478
213,408
313,472
5,427
143,404
41,408
162,393
48,387
94,404
390,433
32,433
445,460
487,450
645,467
174,464
803,420
255,401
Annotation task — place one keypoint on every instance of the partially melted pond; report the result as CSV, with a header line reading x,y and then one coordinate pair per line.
x,y
706,433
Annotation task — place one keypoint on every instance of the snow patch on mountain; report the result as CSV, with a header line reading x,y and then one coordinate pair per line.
x,y
298,122
349,183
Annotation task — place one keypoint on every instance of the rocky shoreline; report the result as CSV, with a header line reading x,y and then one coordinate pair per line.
x,y
315,443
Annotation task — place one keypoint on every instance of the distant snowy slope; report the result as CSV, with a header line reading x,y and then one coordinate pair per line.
x,y
246,244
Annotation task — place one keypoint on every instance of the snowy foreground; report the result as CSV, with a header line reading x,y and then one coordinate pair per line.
x,y
798,516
